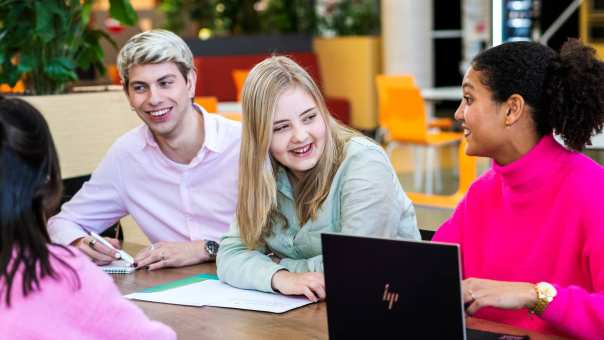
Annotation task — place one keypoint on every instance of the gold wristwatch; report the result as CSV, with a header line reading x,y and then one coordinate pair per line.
x,y
545,294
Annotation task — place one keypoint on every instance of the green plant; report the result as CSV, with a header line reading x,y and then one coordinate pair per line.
x,y
231,17
45,41
351,17
289,16
222,17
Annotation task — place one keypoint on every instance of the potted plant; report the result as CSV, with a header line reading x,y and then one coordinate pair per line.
x,y
350,48
239,17
43,42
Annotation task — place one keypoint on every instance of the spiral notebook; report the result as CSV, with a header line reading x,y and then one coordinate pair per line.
x,y
118,267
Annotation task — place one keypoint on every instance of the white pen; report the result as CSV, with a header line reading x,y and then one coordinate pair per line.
x,y
123,255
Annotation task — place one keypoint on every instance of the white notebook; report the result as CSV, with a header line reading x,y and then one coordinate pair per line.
x,y
118,267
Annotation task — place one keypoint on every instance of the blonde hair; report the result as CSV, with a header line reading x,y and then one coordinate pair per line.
x,y
257,208
154,47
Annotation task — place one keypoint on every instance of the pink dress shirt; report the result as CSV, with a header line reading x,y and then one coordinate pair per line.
x,y
61,310
169,201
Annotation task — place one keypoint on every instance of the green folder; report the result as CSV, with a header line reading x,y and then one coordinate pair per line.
x,y
179,283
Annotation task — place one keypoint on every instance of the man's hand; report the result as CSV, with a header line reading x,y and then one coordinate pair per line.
x,y
311,285
479,293
171,254
98,252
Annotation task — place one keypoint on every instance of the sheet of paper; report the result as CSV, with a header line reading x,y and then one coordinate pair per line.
x,y
223,295
217,294
189,295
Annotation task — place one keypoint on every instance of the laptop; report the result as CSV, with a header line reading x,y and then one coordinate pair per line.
x,y
394,289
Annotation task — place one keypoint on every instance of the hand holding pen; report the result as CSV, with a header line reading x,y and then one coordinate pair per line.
x,y
118,253
98,252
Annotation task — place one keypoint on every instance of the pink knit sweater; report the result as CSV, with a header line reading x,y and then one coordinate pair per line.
x,y
540,218
60,311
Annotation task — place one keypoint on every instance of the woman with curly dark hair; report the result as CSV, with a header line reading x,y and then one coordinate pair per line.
x,y
49,291
531,229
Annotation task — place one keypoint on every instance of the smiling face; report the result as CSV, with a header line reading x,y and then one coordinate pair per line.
x,y
482,118
299,131
161,97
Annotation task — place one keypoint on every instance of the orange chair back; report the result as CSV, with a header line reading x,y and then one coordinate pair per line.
x,y
467,175
239,78
407,120
467,169
114,74
208,103
383,83
231,115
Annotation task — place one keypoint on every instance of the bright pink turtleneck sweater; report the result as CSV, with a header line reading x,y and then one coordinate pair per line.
x,y
540,218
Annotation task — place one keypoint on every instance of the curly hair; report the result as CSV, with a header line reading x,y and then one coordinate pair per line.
x,y
565,91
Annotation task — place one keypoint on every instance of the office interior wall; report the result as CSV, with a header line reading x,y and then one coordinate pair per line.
x,y
407,39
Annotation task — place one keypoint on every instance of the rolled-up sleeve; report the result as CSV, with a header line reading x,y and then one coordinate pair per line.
x,y
244,268
313,264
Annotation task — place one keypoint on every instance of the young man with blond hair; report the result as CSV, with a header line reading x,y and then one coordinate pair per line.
x,y
176,174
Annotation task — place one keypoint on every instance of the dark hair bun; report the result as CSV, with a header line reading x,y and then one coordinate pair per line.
x,y
575,94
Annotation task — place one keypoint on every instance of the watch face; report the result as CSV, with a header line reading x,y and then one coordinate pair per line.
x,y
212,247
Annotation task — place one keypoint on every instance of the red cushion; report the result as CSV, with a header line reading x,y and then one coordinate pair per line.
x,y
214,73
339,108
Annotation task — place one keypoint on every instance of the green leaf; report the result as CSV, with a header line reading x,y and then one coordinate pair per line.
x,y
86,10
10,75
122,11
26,62
61,69
44,22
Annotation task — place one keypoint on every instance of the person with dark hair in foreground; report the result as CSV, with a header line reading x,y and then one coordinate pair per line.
x,y
531,229
49,291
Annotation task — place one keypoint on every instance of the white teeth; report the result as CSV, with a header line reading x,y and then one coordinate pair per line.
x,y
466,132
302,150
159,113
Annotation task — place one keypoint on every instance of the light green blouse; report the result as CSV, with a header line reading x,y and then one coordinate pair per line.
x,y
365,198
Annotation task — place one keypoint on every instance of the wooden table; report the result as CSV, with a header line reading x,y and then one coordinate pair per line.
x,y
308,322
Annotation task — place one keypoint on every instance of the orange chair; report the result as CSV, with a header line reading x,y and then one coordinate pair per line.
x,y
239,76
384,82
231,115
114,74
467,175
210,104
407,123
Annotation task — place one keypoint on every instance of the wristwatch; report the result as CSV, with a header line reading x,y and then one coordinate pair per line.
x,y
545,294
211,248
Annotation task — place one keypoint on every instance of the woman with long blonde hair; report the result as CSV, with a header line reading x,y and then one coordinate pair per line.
x,y
302,174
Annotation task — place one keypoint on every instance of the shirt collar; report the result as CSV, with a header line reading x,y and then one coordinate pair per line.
x,y
283,184
213,140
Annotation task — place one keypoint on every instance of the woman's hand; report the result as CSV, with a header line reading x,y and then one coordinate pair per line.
x,y
311,285
481,293
98,252
171,254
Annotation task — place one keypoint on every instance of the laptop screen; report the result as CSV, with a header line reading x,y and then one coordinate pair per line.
x,y
382,288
